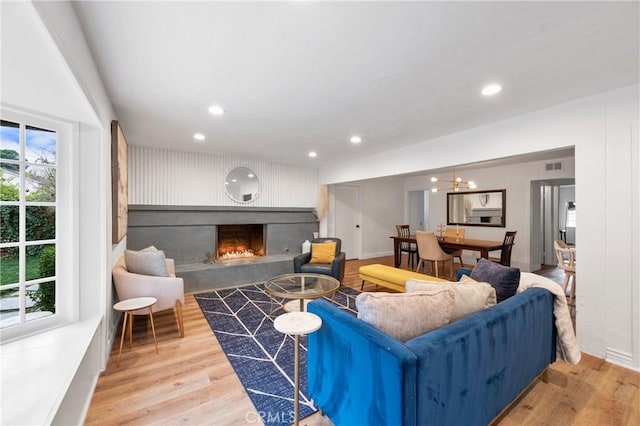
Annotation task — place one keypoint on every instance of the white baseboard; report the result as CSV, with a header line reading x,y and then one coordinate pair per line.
x,y
623,359
378,254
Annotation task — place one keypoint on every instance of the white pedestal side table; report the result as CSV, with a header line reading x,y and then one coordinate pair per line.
x,y
297,324
128,306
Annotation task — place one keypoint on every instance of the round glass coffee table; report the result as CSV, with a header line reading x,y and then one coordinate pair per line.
x,y
302,287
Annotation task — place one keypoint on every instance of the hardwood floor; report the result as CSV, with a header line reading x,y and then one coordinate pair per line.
x,y
191,382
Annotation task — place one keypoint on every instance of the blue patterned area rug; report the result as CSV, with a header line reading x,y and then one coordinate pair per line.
x,y
262,357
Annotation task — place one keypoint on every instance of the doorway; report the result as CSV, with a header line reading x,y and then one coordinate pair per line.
x,y
552,218
347,219
418,210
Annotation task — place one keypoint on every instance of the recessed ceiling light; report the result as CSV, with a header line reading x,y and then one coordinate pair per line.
x,y
198,137
313,154
355,139
250,175
491,89
216,110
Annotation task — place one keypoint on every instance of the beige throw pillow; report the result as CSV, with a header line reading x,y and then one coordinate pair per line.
x,y
146,263
403,315
470,296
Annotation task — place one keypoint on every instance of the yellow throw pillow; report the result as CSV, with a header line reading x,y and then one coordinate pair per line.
x,y
322,252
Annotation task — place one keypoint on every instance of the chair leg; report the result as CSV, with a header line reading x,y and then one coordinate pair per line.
x,y
436,262
362,286
451,270
178,314
420,263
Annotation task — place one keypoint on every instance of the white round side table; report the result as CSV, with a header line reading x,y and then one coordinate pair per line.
x,y
297,324
128,306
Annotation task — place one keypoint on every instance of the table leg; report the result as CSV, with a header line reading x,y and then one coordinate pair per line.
x,y
130,330
484,254
153,329
296,401
396,253
302,305
124,327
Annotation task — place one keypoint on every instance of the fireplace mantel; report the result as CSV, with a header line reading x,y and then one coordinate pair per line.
x,y
188,233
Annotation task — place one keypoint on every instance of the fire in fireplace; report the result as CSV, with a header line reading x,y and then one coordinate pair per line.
x,y
239,241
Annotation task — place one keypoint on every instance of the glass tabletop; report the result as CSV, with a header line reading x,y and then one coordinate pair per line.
x,y
302,286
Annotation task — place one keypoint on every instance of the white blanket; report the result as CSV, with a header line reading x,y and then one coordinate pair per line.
x,y
566,344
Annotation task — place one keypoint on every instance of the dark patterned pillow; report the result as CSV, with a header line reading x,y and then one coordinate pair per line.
x,y
503,278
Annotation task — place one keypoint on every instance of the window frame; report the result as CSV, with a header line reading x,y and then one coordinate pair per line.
x,y
66,239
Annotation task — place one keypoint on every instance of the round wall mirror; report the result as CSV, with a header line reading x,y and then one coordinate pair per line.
x,y
242,184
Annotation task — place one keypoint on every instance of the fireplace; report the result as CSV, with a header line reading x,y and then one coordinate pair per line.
x,y
239,241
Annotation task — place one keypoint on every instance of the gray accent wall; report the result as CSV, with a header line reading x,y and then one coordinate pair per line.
x,y
187,233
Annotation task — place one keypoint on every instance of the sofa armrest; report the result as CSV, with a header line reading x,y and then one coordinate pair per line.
x,y
357,374
171,267
337,267
300,260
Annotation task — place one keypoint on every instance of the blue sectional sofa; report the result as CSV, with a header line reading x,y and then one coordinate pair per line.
x,y
462,374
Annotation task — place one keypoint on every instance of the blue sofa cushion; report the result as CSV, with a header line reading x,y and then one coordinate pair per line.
x,y
503,278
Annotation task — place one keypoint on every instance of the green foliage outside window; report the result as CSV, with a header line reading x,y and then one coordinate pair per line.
x,y
45,296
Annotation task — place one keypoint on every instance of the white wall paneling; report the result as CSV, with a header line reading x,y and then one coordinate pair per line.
x,y
163,177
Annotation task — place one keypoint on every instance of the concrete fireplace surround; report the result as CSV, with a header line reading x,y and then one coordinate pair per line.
x,y
187,233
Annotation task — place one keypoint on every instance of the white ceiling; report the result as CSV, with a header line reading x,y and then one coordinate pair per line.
x,y
300,76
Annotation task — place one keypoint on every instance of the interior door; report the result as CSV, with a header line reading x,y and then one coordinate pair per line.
x,y
416,211
348,219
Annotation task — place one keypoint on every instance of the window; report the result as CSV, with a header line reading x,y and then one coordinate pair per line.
x,y
571,215
30,225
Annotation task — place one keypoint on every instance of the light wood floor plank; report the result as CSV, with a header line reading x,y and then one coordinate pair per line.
x,y
191,382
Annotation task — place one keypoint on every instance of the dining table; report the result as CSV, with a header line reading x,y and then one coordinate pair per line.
x,y
449,243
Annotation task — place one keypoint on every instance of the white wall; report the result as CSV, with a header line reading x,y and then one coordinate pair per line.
x,y
516,179
47,69
604,131
381,207
163,177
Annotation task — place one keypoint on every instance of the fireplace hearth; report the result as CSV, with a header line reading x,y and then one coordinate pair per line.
x,y
239,242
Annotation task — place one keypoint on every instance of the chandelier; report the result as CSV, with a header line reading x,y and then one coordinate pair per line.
x,y
456,184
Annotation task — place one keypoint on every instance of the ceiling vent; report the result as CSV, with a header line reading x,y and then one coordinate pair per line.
x,y
556,165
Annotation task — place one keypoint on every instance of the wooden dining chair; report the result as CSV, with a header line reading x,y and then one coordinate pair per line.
x,y
409,248
455,233
430,250
505,251
566,261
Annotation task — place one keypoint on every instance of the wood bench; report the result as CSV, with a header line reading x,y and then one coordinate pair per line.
x,y
390,277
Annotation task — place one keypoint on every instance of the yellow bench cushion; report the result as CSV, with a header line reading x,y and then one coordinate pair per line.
x,y
390,277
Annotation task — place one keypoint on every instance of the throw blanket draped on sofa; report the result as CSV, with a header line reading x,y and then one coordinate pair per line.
x,y
566,344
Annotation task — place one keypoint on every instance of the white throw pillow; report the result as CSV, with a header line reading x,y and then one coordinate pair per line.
x,y
406,315
145,263
470,296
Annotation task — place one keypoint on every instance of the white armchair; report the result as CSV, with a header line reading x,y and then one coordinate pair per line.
x,y
169,291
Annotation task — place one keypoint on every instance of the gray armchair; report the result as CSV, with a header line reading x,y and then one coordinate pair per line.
x,y
334,269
